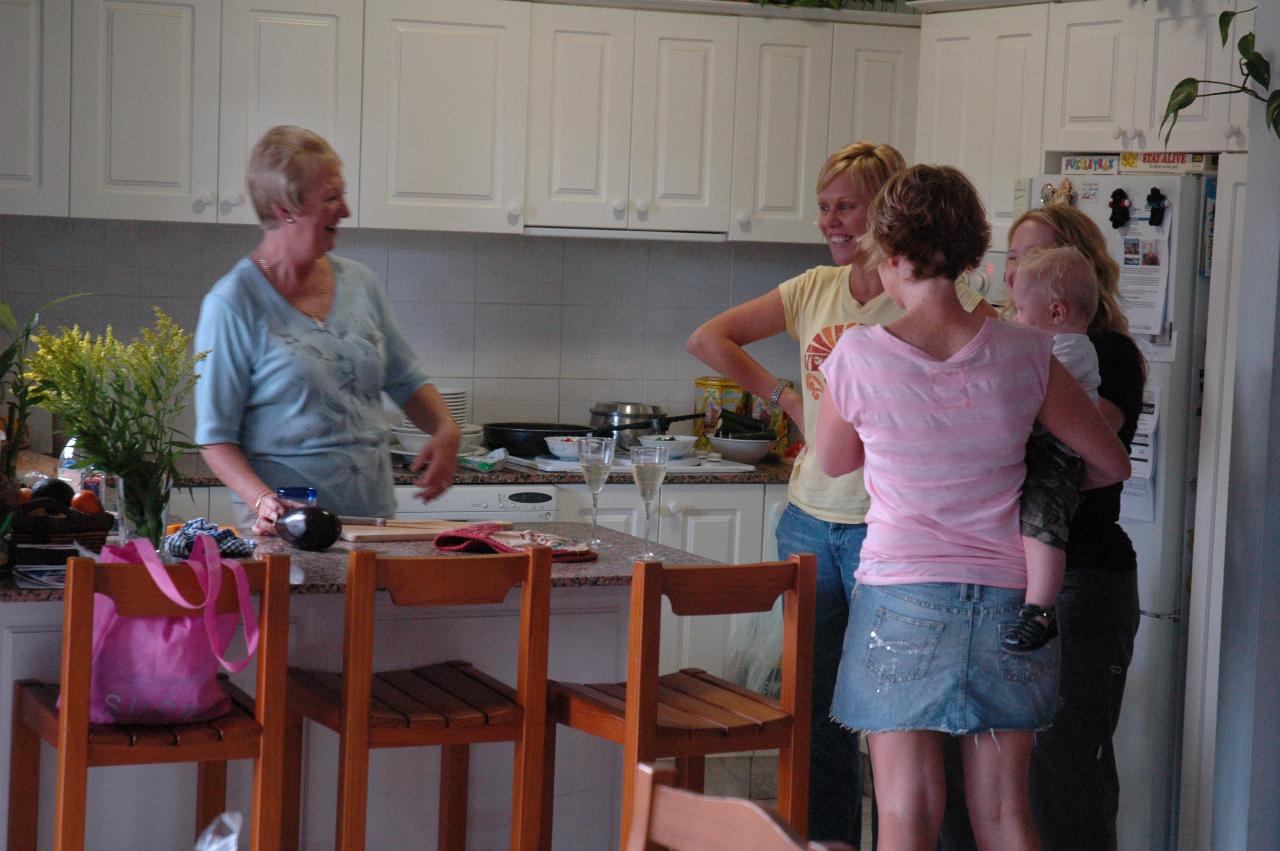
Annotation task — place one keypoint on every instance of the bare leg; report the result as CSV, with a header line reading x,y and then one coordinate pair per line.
x,y
910,789
1045,567
996,771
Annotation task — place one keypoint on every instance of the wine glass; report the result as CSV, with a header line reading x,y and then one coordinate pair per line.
x,y
648,468
595,454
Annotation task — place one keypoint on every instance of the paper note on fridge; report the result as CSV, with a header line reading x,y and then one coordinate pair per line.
x,y
1142,451
1144,273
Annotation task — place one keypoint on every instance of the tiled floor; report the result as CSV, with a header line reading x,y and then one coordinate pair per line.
x,y
755,776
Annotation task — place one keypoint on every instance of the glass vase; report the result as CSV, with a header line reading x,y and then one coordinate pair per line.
x,y
143,505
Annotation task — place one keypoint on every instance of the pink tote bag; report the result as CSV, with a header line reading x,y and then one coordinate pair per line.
x,y
163,670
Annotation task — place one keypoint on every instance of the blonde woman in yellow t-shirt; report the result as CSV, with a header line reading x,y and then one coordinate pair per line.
x,y
826,515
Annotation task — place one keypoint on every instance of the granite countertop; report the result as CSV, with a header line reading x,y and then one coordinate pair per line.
x,y
197,474
325,572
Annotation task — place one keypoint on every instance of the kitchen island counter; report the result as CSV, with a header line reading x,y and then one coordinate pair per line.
x,y
326,571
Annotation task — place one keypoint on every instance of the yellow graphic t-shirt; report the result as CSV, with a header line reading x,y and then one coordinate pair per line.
x,y
819,307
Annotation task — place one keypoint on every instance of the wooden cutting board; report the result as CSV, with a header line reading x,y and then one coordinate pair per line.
x,y
406,530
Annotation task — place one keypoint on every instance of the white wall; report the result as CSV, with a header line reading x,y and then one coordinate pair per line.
x,y
538,328
1246,811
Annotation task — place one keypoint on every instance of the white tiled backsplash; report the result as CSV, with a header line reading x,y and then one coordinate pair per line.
x,y
537,328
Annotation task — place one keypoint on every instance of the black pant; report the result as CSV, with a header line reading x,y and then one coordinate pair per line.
x,y
1075,793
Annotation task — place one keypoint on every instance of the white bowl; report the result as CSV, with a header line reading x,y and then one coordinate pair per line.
x,y
564,446
411,439
744,451
677,445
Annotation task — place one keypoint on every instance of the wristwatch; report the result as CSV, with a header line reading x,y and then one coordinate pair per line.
x,y
782,385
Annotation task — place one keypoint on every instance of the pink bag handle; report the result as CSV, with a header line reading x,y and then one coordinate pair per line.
x,y
207,562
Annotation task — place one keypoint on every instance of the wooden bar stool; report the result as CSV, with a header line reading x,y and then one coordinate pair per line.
x,y
686,821
690,714
253,729
450,704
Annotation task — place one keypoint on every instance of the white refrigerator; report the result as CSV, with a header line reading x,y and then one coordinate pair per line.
x,y
1165,298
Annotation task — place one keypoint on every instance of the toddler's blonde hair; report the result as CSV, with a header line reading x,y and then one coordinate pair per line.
x,y
1065,274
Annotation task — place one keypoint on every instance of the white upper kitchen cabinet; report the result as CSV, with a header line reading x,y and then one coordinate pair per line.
x,y
580,76
874,80
1112,65
682,121
981,91
631,119
35,102
780,128
287,62
444,115
144,109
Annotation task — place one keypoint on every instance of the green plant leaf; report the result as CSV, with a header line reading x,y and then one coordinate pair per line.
x,y
1245,45
1224,25
1258,68
7,321
1272,111
1182,96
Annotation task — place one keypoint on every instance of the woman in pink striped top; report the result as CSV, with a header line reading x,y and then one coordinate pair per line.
x,y
937,408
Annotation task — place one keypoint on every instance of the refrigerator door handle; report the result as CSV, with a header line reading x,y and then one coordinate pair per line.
x,y
1161,616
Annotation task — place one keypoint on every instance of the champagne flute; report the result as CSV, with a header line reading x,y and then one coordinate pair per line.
x,y
648,468
595,454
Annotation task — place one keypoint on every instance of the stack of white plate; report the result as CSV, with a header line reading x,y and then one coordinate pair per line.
x,y
459,402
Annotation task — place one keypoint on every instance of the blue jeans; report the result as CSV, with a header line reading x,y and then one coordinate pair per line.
x,y
835,785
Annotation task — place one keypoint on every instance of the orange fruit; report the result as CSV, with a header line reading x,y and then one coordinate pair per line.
x,y
24,495
86,502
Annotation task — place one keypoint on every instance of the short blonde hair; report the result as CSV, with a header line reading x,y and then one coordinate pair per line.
x,y
868,165
1065,275
1072,227
281,165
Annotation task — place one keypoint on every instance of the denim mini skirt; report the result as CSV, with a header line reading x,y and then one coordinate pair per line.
x,y
928,656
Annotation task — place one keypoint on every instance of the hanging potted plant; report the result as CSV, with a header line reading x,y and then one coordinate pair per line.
x,y
121,401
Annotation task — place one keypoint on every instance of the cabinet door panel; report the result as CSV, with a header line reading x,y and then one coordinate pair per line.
x,y
1171,47
35,100
145,109
682,128
780,128
982,78
1092,60
580,128
445,98
874,81
287,62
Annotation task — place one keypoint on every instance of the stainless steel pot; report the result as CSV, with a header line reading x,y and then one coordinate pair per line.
x,y
630,420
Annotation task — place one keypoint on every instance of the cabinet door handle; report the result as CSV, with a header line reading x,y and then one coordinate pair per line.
x,y
744,219
1119,133
205,199
1232,131
642,206
620,205
1137,134
233,199
515,210
675,509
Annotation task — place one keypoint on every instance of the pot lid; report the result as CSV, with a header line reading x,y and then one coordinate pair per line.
x,y
633,409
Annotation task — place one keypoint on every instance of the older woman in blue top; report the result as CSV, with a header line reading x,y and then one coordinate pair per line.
x,y
301,346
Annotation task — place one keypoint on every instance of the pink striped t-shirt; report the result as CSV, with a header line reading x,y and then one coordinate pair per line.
x,y
944,447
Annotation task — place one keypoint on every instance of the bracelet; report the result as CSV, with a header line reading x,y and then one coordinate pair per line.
x,y
778,388
258,502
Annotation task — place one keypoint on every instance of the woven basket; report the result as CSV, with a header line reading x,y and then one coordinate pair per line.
x,y
47,521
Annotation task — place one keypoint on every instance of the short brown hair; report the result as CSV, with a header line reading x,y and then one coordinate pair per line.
x,y
869,166
1072,227
1065,274
932,217
283,162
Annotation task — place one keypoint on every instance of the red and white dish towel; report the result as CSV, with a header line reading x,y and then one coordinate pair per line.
x,y
495,538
